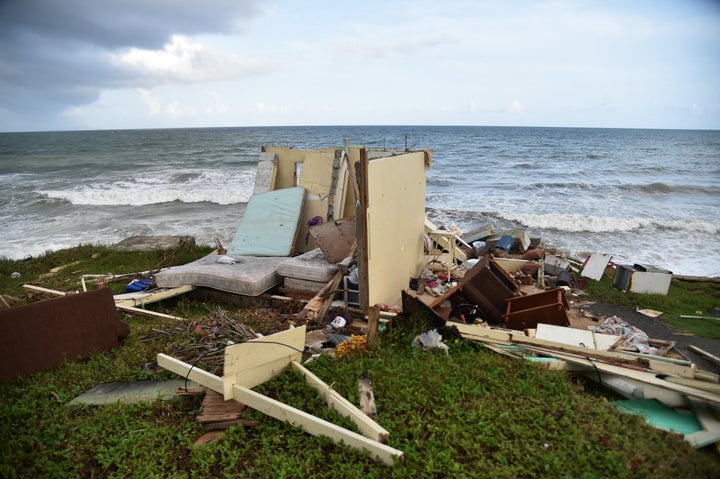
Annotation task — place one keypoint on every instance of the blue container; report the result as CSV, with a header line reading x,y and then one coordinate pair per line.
x,y
505,243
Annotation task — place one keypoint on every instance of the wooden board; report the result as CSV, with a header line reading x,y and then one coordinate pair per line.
x,y
254,362
595,266
334,400
316,426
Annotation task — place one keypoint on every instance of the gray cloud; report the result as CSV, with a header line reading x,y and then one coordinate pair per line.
x,y
60,53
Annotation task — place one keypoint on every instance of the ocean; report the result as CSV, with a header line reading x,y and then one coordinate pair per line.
x,y
644,196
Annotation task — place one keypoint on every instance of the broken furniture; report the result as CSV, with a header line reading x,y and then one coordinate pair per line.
x,y
43,335
439,259
264,238
640,278
486,285
549,307
254,362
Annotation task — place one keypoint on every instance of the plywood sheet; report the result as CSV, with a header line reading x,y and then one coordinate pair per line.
x,y
395,225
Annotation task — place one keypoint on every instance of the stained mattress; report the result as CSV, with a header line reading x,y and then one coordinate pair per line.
x,y
270,224
249,275
311,266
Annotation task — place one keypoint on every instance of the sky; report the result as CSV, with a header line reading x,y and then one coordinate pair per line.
x,y
117,64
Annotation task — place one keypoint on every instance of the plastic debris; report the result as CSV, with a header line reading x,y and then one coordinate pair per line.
x,y
429,340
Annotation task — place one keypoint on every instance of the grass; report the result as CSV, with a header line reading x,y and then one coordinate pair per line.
x,y
469,413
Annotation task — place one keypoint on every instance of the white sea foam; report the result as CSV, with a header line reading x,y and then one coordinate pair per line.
x,y
214,187
137,197
606,224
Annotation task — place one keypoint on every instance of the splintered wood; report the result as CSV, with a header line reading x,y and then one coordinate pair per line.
x,y
220,414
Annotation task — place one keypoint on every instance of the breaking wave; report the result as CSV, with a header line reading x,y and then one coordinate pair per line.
x,y
126,197
183,186
606,224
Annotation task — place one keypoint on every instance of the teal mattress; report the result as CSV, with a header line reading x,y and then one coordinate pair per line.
x,y
270,223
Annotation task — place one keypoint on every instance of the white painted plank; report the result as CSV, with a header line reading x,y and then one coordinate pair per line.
x,y
316,426
186,370
334,400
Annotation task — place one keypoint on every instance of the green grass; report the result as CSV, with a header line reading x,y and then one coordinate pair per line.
x,y
469,413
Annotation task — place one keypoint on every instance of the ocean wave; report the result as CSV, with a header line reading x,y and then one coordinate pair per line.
x,y
606,224
664,188
136,197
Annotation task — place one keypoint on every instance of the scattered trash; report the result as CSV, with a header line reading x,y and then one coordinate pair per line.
x,y
338,323
430,340
15,275
632,336
139,285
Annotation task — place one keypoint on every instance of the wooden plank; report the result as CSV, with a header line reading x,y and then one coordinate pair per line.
x,y
367,427
705,354
254,362
642,376
147,312
138,299
373,317
190,372
316,426
634,389
40,289
478,333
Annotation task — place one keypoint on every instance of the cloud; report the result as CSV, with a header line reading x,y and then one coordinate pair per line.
x,y
55,55
182,60
152,102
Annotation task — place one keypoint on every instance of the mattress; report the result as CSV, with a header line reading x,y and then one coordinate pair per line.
x,y
303,284
270,224
311,266
248,275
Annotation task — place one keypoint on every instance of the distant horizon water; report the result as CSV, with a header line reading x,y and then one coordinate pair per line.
x,y
641,195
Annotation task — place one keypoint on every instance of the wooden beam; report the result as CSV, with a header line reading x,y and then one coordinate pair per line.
x,y
705,354
316,426
147,312
138,299
334,400
373,317
40,289
186,370
362,235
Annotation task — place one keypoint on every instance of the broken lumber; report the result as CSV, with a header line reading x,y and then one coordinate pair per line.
x,y
705,354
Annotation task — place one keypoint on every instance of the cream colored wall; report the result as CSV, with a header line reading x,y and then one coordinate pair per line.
x,y
396,225
315,176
